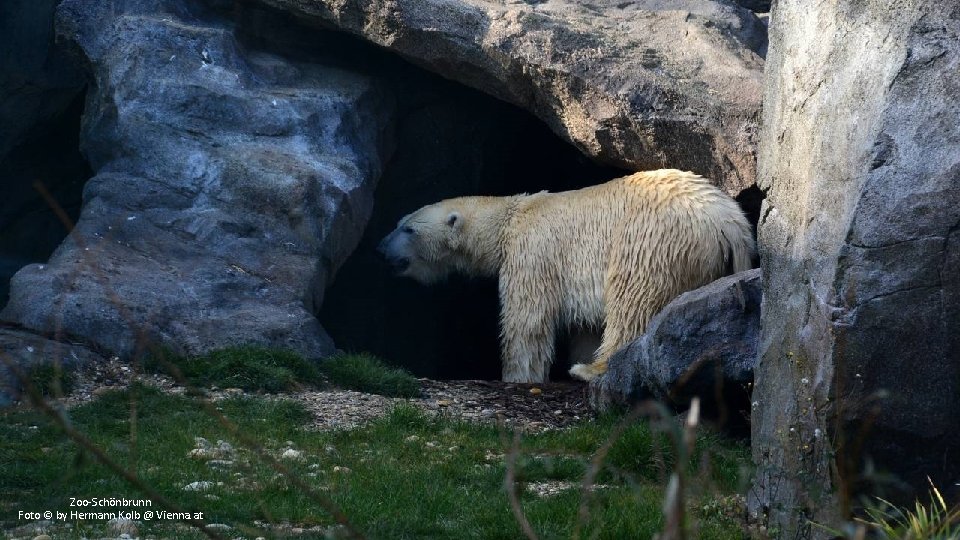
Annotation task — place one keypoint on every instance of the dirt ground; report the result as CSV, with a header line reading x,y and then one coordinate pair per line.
x,y
530,407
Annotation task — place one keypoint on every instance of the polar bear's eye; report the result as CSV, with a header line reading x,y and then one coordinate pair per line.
x,y
407,229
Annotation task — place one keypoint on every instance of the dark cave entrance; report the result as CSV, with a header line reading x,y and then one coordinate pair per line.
x,y
456,142
48,154
43,92
449,140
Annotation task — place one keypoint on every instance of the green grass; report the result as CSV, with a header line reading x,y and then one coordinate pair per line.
x,y
247,367
410,475
270,370
884,520
367,373
50,379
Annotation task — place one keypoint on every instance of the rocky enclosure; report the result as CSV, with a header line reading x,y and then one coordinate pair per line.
x,y
235,166
640,85
236,150
860,250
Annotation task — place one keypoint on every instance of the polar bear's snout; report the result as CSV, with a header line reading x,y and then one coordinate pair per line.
x,y
398,264
392,248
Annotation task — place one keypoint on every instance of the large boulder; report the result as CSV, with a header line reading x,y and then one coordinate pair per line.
x,y
639,85
230,185
703,343
860,249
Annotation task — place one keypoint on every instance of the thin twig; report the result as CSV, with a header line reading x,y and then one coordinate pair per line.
x,y
36,399
327,504
141,341
510,484
596,464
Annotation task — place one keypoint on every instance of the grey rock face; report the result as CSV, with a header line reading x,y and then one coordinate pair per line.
x,y
639,85
27,351
702,343
860,250
231,184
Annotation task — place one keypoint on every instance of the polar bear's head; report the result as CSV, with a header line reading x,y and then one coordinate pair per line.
x,y
427,244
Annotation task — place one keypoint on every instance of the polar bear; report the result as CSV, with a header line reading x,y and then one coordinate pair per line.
x,y
605,257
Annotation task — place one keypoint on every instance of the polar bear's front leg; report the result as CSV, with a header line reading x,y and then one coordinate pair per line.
x,y
527,330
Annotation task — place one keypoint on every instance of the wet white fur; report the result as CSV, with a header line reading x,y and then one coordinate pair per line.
x,y
607,256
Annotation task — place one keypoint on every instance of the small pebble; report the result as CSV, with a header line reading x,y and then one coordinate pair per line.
x,y
292,454
123,526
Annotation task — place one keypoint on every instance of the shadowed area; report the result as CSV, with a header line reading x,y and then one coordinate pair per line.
x,y
29,228
455,142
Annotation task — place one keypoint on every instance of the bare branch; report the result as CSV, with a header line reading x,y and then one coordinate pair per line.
x,y
509,483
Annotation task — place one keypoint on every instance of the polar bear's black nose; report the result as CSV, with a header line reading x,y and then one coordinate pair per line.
x,y
398,263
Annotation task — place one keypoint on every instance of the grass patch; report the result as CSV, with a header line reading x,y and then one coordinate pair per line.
x,y
271,370
406,475
367,373
50,379
247,367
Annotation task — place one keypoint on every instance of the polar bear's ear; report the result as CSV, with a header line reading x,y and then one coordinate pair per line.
x,y
454,220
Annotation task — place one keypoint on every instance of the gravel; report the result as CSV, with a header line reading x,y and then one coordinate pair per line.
x,y
528,407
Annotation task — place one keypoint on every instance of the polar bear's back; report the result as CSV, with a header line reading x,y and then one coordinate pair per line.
x,y
659,232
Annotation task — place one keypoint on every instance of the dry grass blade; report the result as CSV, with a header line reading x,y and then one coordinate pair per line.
x,y
923,522
510,484
327,504
324,502
596,464
81,440
674,504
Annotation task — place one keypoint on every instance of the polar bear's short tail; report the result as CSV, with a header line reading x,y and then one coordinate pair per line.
x,y
738,248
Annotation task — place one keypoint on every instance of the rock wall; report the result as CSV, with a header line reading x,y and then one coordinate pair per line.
x,y
637,85
30,353
860,250
230,185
